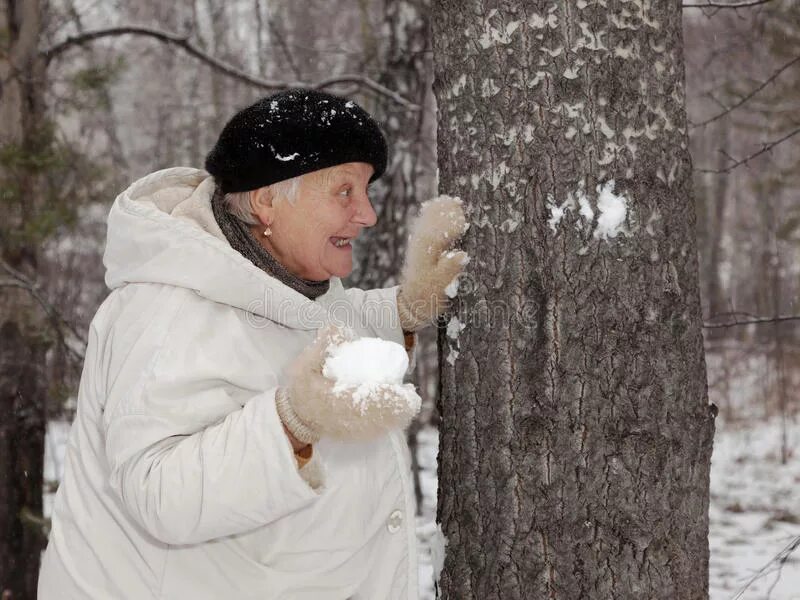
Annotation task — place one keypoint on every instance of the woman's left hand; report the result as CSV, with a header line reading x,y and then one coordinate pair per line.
x,y
431,263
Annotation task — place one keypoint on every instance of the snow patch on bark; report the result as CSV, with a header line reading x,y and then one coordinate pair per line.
x,y
613,211
438,549
451,358
454,327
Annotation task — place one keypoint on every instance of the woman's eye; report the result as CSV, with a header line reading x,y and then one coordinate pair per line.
x,y
345,192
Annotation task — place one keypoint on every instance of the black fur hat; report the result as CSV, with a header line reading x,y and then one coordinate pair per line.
x,y
291,133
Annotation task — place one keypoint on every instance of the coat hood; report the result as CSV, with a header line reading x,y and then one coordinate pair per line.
x,y
162,230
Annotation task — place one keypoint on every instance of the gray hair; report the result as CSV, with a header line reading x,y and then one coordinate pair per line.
x,y
238,203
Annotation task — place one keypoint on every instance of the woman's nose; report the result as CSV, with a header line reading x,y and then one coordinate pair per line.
x,y
366,214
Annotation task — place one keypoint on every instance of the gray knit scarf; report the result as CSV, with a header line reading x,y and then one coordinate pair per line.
x,y
242,240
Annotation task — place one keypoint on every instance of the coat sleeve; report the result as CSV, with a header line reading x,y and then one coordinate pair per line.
x,y
193,456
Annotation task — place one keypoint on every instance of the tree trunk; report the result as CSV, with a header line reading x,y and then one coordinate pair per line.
x,y
576,433
24,139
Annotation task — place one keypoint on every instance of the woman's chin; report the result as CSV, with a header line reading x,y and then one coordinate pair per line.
x,y
340,266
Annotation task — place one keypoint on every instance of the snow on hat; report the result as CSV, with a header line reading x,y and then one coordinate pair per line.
x,y
291,133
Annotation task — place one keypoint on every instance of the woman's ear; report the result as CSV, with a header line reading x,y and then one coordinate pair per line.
x,y
261,205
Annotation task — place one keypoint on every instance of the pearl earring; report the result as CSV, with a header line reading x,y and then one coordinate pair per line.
x,y
267,232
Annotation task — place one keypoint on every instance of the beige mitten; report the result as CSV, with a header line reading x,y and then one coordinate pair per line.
x,y
312,406
430,264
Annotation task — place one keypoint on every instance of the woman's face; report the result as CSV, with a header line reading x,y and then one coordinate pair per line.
x,y
330,204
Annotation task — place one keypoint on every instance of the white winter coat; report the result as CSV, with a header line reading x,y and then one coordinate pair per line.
x,y
179,481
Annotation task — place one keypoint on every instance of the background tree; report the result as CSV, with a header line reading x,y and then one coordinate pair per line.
x,y
34,203
576,434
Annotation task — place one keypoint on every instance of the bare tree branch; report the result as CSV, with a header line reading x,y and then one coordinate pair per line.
x,y
751,322
766,148
764,84
183,42
775,564
19,280
746,4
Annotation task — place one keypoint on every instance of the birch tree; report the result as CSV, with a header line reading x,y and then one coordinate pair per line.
x,y
576,432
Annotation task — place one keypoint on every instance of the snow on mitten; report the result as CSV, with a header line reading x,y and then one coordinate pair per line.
x,y
313,405
430,263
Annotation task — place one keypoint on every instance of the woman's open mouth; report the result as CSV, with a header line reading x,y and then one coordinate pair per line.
x,y
341,243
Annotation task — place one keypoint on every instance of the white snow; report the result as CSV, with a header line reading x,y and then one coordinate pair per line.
x,y
452,288
454,327
287,157
452,356
613,210
55,447
365,360
585,206
438,543
557,211
754,512
370,365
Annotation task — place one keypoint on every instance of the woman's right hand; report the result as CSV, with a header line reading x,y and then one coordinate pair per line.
x,y
310,408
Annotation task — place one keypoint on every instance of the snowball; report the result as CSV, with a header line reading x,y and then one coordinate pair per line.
x,y
404,396
366,360
367,365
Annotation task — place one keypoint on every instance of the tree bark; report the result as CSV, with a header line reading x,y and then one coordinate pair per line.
x,y
24,139
576,433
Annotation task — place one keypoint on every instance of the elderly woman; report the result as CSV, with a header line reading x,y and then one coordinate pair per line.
x,y
210,457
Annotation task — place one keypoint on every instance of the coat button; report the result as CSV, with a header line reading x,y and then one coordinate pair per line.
x,y
395,521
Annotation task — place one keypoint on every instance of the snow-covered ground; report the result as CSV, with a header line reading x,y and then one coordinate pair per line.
x,y
754,514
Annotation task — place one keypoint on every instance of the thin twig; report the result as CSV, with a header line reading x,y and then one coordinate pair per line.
x,y
764,84
746,4
751,322
221,66
779,558
767,147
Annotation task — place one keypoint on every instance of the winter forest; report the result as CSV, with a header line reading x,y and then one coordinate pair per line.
x,y
610,404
